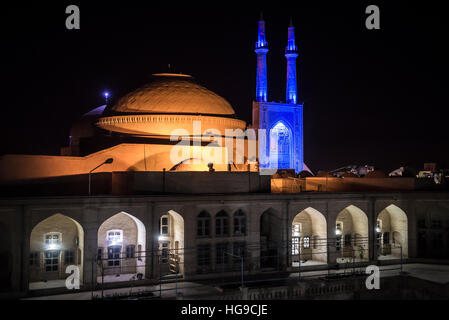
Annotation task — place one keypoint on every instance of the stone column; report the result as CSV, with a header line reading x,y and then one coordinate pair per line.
x,y
412,236
154,248
372,220
90,226
331,223
24,232
150,240
189,215
90,254
284,250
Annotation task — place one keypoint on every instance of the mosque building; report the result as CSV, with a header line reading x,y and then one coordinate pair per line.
x,y
123,204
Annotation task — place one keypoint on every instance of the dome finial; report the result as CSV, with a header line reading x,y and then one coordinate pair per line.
x,y
261,16
291,22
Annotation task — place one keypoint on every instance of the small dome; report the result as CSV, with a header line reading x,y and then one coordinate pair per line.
x,y
173,93
84,127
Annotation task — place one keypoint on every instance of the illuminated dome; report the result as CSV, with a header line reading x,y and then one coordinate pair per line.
x,y
173,93
170,102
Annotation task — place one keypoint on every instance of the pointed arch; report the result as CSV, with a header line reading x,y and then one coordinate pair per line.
x,y
309,236
55,243
203,224
352,234
240,223
121,248
270,238
392,233
281,144
221,224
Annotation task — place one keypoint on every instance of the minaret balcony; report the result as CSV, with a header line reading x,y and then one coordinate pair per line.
x,y
291,51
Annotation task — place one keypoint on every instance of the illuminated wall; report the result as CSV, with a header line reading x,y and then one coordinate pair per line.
x,y
291,53
261,50
283,124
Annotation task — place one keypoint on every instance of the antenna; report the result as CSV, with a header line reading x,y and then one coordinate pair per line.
x,y
106,96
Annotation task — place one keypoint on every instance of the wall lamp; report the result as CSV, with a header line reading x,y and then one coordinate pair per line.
x,y
107,161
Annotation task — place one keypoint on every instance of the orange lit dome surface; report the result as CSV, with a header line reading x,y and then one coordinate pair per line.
x,y
173,93
169,102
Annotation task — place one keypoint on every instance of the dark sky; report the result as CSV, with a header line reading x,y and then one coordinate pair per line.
x,y
371,97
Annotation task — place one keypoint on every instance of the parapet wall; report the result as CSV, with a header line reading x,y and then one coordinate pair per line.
x,y
129,183
333,184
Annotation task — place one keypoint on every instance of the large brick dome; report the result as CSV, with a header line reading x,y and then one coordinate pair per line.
x,y
175,94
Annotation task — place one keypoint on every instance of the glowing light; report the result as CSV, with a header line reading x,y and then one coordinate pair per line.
x,y
161,238
338,232
377,229
106,94
52,246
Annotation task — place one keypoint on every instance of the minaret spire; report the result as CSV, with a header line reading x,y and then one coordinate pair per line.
x,y
261,51
291,53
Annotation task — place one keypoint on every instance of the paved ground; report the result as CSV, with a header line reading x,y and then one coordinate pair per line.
x,y
430,272
434,273
308,263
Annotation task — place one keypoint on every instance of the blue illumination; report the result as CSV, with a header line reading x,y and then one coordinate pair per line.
x,y
291,53
283,124
280,146
261,51
106,94
283,146
291,46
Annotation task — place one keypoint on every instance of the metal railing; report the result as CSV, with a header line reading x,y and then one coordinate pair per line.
x,y
260,263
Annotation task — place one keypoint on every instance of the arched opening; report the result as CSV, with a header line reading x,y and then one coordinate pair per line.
x,y
171,243
351,232
280,146
55,243
222,224
239,223
203,225
391,233
121,249
270,239
309,238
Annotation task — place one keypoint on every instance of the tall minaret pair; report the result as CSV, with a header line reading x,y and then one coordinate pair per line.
x,y
261,51
291,53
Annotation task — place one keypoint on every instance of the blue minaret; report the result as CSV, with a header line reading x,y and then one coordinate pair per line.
x,y
291,53
261,50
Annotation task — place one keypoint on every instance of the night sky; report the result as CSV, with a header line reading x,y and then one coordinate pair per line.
x,y
376,97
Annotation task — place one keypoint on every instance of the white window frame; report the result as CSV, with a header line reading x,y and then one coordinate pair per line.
x,y
296,229
52,264
51,241
306,242
114,239
67,254
295,245
166,216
